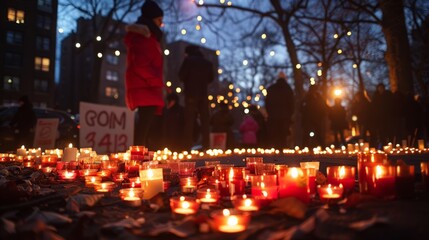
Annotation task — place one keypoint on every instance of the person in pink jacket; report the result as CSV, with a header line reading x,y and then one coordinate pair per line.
x,y
144,73
248,129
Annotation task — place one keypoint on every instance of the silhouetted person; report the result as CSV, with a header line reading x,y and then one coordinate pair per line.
x,y
279,103
196,73
414,119
313,109
262,134
174,120
397,131
337,116
23,122
144,74
221,122
248,130
360,108
381,116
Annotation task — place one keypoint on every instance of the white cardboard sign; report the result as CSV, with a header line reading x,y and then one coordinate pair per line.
x,y
46,133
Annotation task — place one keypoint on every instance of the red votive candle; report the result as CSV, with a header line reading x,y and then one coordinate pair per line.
x,y
344,175
381,180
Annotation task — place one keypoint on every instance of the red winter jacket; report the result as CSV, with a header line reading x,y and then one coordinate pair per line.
x,y
144,74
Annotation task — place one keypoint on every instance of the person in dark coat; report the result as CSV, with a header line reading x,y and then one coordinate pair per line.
x,y
314,110
174,119
337,116
144,74
381,112
414,119
262,134
360,108
196,73
280,107
221,122
23,122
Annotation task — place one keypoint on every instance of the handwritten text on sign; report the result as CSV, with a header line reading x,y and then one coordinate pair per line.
x,y
106,129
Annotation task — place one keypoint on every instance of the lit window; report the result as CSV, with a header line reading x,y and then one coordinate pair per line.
x,y
11,83
112,76
112,92
42,64
14,15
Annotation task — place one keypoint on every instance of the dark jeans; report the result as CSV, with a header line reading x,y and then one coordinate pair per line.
x,y
195,107
144,122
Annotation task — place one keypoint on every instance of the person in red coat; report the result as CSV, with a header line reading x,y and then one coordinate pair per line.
x,y
144,73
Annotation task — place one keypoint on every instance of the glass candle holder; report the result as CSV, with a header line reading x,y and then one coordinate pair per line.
x,y
404,181
132,167
137,152
186,169
245,203
90,181
310,174
264,188
104,187
330,194
67,175
344,175
424,168
131,196
208,195
47,170
88,172
135,182
104,173
188,184
294,184
265,168
230,220
204,172
381,180
365,159
184,205
119,177
251,161
152,182
49,160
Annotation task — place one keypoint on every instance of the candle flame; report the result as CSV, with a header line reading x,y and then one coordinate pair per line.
x,y
22,147
182,198
342,172
131,193
226,212
70,145
93,180
248,202
265,193
244,196
185,204
379,171
329,190
294,172
232,220
149,173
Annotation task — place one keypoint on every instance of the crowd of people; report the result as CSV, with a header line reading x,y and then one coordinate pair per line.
x,y
386,117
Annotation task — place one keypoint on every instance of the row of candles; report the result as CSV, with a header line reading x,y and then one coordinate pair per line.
x,y
267,181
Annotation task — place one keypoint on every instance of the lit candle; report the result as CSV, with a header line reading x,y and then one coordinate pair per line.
x,y
330,194
245,203
207,195
344,175
230,220
21,151
104,187
67,175
381,180
90,181
152,182
49,160
294,184
184,205
188,184
88,172
135,182
131,196
69,154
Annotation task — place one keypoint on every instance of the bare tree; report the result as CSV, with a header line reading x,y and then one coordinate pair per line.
x,y
106,17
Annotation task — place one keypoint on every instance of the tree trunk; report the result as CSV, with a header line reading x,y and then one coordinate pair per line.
x,y
298,84
398,50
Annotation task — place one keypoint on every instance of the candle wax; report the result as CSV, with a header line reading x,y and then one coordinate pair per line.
x,y
231,229
184,211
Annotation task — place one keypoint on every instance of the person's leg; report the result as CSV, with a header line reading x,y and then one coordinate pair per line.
x,y
203,109
190,114
145,118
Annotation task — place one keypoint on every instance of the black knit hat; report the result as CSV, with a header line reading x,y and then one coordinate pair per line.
x,y
151,10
